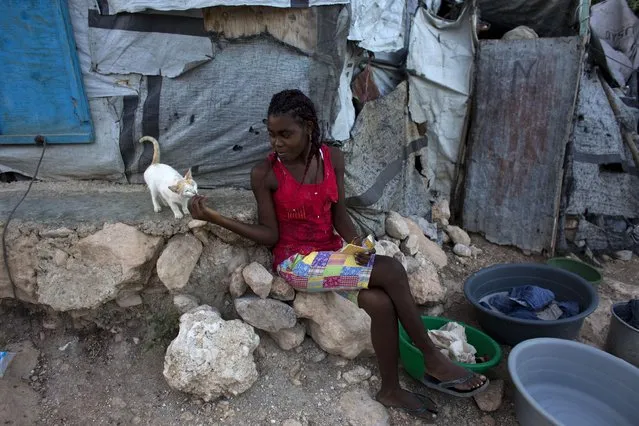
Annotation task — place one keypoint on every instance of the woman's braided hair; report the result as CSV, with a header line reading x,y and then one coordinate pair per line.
x,y
299,106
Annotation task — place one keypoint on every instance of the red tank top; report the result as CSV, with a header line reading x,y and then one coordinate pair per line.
x,y
304,214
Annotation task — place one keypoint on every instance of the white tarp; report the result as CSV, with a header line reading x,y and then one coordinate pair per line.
x,y
378,25
96,85
119,6
100,160
617,28
440,66
341,127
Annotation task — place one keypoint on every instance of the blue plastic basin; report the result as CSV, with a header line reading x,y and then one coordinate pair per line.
x,y
511,331
560,382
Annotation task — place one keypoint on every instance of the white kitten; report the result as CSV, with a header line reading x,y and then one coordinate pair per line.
x,y
167,186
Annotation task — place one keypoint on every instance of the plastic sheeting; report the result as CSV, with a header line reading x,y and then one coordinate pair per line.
x,y
378,25
549,18
203,121
119,6
617,28
440,65
96,85
147,44
381,164
100,160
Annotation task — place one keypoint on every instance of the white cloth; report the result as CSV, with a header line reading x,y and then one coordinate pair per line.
x,y
451,340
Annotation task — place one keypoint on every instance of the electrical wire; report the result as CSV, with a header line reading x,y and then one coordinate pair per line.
x,y
5,255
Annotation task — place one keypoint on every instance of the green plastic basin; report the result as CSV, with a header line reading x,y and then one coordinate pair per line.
x,y
582,269
413,360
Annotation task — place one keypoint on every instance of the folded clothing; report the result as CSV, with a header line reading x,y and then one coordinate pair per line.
x,y
629,313
531,303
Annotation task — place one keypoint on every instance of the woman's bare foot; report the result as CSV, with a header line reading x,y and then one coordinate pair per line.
x,y
444,370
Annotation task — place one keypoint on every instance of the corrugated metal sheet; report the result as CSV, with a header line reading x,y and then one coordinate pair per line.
x,y
522,117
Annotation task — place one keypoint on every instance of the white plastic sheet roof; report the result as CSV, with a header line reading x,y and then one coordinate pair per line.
x,y
378,25
119,6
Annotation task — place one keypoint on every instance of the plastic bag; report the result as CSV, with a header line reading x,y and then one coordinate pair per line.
x,y
5,360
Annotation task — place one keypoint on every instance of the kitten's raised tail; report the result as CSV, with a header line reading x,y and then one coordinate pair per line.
x,y
156,148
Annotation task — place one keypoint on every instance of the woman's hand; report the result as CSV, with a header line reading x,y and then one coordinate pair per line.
x,y
199,210
363,258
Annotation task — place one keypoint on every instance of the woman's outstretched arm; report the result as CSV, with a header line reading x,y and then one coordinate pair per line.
x,y
265,232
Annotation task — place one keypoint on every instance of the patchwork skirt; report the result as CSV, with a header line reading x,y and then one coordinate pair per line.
x,y
323,271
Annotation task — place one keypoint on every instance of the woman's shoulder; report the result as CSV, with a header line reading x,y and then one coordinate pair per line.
x,y
263,172
337,157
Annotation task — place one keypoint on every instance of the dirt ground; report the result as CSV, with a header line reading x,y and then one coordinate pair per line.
x,y
113,375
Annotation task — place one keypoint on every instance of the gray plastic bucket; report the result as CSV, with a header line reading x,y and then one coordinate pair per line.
x,y
623,340
511,331
564,383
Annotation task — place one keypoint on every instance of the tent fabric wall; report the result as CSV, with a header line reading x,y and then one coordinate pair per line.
x,y
440,64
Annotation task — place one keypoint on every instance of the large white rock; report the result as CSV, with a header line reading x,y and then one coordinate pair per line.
x,y
426,247
362,410
211,357
290,338
177,261
395,226
425,285
258,278
410,246
265,314
336,324
115,258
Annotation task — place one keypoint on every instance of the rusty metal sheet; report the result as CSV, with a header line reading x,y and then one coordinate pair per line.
x,y
522,117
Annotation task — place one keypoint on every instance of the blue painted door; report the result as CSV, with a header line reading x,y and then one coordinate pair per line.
x,y
41,90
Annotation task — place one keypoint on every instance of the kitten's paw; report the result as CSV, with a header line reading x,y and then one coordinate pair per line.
x,y
157,209
178,215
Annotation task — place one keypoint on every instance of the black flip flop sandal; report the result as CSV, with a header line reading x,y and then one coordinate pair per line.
x,y
428,410
449,386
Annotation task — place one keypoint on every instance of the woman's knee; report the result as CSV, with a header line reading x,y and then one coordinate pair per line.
x,y
388,270
375,301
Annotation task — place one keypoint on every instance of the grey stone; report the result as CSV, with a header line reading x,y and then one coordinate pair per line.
x,y
440,212
184,303
56,233
395,226
281,290
458,235
462,250
237,285
429,249
410,245
490,400
289,338
521,32
258,278
265,314
360,409
624,255
425,285
357,375
118,257
336,324
177,261
128,300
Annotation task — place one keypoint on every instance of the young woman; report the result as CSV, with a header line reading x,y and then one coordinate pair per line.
x,y
299,191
